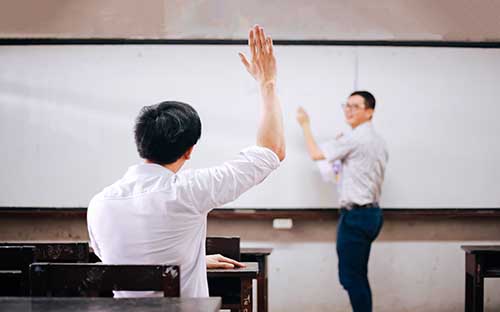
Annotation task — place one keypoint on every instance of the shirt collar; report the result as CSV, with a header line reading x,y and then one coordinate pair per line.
x,y
365,125
147,169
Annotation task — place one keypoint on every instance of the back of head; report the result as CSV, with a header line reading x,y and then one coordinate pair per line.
x,y
165,131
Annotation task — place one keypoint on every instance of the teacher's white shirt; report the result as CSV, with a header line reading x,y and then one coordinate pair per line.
x,y
364,157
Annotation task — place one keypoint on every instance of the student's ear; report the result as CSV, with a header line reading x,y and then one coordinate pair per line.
x,y
187,154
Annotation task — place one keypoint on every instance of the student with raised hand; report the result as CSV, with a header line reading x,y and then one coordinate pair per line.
x,y
157,214
364,156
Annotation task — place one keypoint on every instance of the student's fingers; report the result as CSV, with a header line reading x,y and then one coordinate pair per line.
x,y
220,262
269,44
262,39
232,261
220,265
244,60
225,265
240,265
257,41
251,43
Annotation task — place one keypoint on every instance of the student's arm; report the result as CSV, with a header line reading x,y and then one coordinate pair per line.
x,y
332,150
312,147
262,67
212,187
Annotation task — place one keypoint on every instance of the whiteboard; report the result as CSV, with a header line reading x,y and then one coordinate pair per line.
x,y
67,114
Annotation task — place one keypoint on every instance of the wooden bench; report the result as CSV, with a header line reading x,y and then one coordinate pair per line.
x,y
56,251
14,269
15,282
92,279
229,284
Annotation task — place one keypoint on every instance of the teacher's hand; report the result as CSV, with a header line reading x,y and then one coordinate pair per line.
x,y
302,117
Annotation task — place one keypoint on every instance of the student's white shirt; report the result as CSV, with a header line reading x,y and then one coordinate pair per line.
x,y
364,157
154,216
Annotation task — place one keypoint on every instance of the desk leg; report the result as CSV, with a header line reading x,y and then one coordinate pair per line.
x,y
262,301
246,295
262,294
474,285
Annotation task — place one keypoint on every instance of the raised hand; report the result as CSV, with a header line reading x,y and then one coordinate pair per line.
x,y
262,66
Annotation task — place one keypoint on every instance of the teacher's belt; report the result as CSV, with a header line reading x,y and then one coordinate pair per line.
x,y
356,206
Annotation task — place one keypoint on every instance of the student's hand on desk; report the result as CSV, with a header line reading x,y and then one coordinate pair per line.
x,y
262,66
302,117
221,262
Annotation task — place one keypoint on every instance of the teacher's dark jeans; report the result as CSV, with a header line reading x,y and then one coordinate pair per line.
x,y
357,229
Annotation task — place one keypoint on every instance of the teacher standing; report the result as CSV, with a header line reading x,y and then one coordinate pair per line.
x,y
363,155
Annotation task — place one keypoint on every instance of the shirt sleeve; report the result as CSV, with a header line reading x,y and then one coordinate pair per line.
x,y
326,170
337,149
213,187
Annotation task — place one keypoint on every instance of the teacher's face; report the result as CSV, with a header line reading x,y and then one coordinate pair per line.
x,y
356,112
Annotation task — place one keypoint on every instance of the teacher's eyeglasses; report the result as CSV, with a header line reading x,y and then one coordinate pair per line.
x,y
351,107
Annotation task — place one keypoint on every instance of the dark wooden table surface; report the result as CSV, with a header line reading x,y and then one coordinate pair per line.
x,y
251,270
54,304
256,251
481,248
56,251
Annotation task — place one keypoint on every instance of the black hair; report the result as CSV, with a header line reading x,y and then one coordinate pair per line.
x,y
165,131
367,96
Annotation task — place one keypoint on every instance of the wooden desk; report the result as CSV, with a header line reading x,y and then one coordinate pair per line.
x,y
480,262
54,304
14,269
245,276
259,255
56,251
